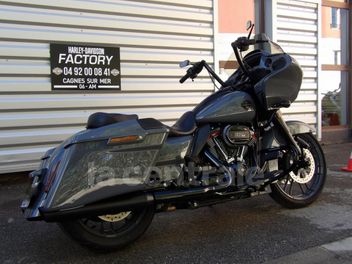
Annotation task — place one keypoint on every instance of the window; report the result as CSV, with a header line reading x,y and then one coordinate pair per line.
x,y
337,57
334,79
335,18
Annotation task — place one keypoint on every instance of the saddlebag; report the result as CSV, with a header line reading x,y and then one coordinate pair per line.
x,y
100,163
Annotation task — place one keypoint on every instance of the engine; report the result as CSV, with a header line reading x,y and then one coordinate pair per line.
x,y
237,135
231,145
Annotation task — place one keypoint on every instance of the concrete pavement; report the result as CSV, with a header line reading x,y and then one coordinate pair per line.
x,y
255,230
337,252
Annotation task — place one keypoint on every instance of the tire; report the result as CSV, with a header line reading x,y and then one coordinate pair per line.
x,y
104,235
306,192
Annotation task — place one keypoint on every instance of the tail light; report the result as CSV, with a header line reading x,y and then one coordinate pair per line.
x,y
52,176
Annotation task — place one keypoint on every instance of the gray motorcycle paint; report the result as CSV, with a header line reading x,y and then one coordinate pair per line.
x,y
275,138
281,86
168,165
174,150
91,170
232,107
299,127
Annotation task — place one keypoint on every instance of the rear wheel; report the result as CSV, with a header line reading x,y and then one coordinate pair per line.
x,y
303,186
109,232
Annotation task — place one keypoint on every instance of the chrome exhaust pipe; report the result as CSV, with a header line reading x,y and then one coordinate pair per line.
x,y
100,208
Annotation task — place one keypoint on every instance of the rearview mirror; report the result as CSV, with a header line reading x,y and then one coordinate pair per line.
x,y
184,63
249,24
249,28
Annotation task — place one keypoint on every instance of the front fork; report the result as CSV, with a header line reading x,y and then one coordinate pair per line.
x,y
299,160
281,124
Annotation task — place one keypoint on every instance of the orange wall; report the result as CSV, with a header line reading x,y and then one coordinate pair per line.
x,y
327,31
233,15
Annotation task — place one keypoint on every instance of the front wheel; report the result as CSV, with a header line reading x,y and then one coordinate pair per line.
x,y
303,186
109,232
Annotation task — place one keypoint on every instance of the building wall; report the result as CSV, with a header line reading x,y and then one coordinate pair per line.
x,y
233,15
326,30
154,36
294,25
291,23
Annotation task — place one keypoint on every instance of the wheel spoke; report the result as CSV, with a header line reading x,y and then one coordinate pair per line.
x,y
308,176
308,188
290,189
287,178
301,188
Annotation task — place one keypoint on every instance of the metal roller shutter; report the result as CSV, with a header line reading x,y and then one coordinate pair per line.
x,y
294,25
153,35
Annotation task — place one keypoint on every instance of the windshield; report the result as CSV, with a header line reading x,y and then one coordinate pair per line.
x,y
268,46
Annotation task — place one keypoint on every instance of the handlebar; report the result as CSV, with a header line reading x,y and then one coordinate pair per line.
x,y
242,44
193,71
197,68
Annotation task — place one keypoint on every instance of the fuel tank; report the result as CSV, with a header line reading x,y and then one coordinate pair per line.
x,y
226,107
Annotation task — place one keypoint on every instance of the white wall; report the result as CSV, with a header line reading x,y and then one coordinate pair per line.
x,y
330,79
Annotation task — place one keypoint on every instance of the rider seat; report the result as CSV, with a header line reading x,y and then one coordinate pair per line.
x,y
100,119
185,125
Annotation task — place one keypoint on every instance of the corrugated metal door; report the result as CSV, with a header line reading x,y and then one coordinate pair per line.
x,y
294,26
154,36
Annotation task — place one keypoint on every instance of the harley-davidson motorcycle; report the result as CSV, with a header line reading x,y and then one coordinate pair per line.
x,y
103,185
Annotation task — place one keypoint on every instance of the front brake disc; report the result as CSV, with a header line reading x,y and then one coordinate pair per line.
x,y
304,175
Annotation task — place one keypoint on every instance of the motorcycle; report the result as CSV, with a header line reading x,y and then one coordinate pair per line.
x,y
104,184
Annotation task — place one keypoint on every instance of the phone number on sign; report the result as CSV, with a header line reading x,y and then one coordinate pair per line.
x,y
86,71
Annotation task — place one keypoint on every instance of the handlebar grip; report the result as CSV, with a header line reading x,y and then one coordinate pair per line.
x,y
184,78
193,71
252,42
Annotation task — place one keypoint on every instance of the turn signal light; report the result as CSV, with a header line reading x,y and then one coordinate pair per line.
x,y
126,139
